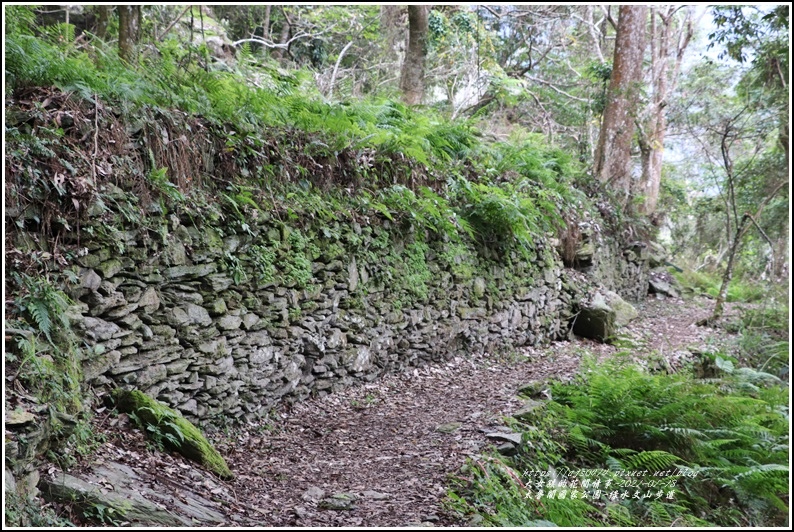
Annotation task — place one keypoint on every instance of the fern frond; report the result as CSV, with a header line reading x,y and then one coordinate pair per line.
x,y
653,460
614,464
41,315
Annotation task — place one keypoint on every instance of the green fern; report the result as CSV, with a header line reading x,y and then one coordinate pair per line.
x,y
618,419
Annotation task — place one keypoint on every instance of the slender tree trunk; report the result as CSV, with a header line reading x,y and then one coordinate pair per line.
x,y
412,82
390,28
129,31
592,31
278,53
266,23
782,254
613,152
719,305
103,20
663,82
741,229
394,38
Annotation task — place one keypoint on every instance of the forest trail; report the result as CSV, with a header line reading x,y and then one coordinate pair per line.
x,y
380,454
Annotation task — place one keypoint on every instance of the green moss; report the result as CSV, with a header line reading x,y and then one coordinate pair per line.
x,y
264,258
333,251
309,307
212,240
418,272
459,259
298,255
175,432
20,511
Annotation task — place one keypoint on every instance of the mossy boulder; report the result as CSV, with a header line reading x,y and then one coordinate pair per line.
x,y
178,433
624,311
596,320
599,317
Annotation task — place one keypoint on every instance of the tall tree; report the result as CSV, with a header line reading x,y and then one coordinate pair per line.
x,y
103,20
413,70
613,152
390,27
129,31
669,38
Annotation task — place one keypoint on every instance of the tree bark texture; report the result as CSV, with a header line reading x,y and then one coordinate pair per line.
x,y
663,82
129,31
391,29
613,152
103,20
266,23
278,53
413,70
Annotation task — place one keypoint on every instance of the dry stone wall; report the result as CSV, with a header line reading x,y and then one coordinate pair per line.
x,y
224,320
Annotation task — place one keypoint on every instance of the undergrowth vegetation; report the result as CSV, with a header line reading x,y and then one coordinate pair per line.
x,y
243,133
622,447
761,327
708,284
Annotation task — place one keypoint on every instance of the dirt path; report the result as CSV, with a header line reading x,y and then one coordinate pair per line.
x,y
373,455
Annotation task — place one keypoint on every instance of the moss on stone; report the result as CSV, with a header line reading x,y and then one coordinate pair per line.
x,y
185,438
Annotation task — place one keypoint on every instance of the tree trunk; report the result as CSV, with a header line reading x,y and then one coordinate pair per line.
x,y
129,31
412,81
102,21
266,23
663,82
278,53
390,28
782,255
613,152
589,19
741,229
719,305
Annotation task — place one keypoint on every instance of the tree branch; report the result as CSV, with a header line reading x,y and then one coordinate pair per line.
x,y
182,14
763,234
555,89
609,18
492,12
591,30
263,42
336,68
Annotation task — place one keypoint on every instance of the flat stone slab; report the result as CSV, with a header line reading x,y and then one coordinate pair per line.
x,y
509,437
117,486
449,428
339,501
530,410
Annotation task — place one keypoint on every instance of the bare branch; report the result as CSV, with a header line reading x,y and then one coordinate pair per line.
x,y
268,44
259,41
555,89
492,12
763,234
609,18
336,68
780,74
182,14
769,197
591,30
